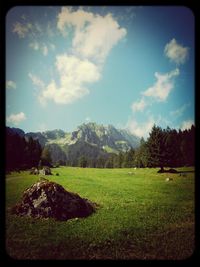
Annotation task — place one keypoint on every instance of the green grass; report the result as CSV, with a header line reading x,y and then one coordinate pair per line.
x,y
140,216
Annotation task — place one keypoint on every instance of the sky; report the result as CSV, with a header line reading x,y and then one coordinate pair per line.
x,y
129,66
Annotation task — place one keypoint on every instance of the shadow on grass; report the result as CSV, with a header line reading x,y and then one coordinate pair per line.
x,y
174,171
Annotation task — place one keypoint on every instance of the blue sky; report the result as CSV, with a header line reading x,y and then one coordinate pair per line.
x,y
127,66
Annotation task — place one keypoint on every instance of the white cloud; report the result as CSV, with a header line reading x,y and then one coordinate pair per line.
x,y
22,29
140,129
163,85
36,80
68,17
16,118
179,112
185,125
139,105
98,38
11,85
176,52
94,36
74,73
28,29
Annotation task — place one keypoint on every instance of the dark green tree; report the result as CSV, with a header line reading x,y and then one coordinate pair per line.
x,y
119,160
141,159
129,159
82,162
100,163
156,148
110,161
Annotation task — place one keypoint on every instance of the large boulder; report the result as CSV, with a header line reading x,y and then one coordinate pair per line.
x,y
48,199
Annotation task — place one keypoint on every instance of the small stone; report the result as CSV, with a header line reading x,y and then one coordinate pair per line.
x,y
168,179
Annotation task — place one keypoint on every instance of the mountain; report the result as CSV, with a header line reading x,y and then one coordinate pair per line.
x,y
89,139
12,131
107,138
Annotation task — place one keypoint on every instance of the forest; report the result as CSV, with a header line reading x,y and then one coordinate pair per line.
x,y
163,148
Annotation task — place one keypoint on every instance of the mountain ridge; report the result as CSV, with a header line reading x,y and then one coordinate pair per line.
x,y
88,139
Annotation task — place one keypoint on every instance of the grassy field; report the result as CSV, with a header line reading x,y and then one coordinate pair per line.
x,y
140,216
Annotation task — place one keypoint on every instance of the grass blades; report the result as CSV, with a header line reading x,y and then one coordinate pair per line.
x,y
140,216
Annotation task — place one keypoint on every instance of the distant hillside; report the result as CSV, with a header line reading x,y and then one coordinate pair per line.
x,y
90,140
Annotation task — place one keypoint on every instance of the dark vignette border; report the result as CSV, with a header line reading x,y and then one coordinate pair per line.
x,y
5,7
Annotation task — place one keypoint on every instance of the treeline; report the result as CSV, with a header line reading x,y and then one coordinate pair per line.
x,y
21,152
164,148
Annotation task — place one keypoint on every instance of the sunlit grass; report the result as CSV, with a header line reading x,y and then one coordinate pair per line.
x,y
140,216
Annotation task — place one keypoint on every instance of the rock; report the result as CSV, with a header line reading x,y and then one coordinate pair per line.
x,y
45,171
168,179
48,199
168,171
34,171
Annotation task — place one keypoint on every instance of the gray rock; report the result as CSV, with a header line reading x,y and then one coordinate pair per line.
x,y
45,171
34,171
48,199
168,179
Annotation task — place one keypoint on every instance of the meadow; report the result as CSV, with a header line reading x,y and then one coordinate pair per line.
x,y
139,216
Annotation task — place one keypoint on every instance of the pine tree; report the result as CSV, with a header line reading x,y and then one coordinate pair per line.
x,y
82,162
129,159
156,148
141,158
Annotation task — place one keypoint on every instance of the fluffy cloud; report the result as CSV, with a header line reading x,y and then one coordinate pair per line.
x,y
74,73
139,105
11,85
163,85
36,81
186,124
67,17
16,118
94,35
92,39
140,129
22,29
176,52
28,29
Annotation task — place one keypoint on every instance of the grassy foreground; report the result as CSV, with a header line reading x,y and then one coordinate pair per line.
x,y
141,216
